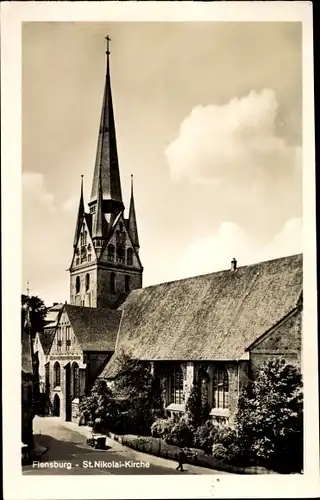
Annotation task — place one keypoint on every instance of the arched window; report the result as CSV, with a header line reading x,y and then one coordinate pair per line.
x,y
117,236
129,256
120,253
204,380
57,374
85,237
77,284
75,380
127,283
87,282
220,388
112,283
121,227
176,385
111,252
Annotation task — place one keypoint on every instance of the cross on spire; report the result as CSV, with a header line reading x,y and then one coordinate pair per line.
x,y
108,40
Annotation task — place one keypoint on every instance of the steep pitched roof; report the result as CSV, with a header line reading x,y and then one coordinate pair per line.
x,y
52,316
107,154
95,329
209,317
46,339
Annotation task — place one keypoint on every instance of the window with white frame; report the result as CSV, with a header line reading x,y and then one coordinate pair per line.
x,y
220,388
176,385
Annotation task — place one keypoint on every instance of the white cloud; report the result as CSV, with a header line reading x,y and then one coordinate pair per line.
x,y
215,253
71,204
236,143
35,191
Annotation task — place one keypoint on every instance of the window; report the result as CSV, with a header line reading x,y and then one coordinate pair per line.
x,y
87,282
78,284
129,256
89,257
59,339
176,385
68,338
75,380
77,261
85,237
204,380
56,374
220,388
127,283
121,227
120,253
112,283
111,252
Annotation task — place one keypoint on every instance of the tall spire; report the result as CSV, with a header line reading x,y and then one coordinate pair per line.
x,y
98,217
132,219
107,155
80,214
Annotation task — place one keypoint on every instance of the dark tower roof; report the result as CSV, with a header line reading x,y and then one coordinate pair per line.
x,y
107,155
80,214
132,219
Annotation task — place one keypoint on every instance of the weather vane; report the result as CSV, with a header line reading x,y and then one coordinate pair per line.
x,y
108,40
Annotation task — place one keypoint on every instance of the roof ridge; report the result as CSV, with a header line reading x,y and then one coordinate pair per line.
x,y
219,272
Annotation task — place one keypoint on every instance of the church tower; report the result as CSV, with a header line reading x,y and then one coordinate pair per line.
x,y
105,264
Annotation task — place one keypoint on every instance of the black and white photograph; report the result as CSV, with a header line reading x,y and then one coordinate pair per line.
x,y
163,250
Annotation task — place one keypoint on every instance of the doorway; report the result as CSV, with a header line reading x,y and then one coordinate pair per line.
x,y
56,406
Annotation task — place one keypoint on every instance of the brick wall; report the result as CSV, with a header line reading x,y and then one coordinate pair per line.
x,y
284,342
105,297
87,298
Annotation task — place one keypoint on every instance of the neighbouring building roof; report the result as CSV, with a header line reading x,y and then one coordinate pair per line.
x,y
46,339
52,316
95,329
208,317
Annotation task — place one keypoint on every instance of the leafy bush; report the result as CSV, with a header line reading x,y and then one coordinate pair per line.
x,y
204,436
181,434
138,396
162,427
270,418
219,451
99,409
223,434
193,405
197,410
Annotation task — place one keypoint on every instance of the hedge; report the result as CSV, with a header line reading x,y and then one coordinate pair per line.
x,y
194,456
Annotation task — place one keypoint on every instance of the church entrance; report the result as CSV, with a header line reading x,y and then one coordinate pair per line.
x,y
68,392
56,406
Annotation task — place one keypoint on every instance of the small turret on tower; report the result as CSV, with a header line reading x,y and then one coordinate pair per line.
x,y
80,215
132,221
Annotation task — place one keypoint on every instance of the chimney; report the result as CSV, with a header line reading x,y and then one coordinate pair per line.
x,y
55,304
233,264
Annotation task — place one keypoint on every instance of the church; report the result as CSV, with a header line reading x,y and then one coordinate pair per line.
x,y
218,328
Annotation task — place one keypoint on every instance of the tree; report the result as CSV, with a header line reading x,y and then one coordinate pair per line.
x,y
37,310
270,417
197,410
138,393
99,409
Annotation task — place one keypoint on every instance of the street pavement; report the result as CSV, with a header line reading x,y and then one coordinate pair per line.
x,y
67,453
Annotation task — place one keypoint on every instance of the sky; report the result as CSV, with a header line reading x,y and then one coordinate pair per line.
x,y
208,121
